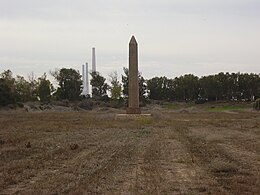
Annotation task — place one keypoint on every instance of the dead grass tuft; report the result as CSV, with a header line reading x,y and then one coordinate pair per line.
x,y
220,166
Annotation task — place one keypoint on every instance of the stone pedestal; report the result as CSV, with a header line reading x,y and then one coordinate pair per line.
x,y
133,110
132,116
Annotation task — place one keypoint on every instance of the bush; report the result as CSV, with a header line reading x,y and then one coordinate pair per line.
x,y
64,103
117,103
20,104
104,98
200,101
256,105
86,104
6,95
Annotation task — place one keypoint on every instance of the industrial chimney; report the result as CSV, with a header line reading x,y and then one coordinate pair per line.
x,y
87,80
93,60
85,90
83,79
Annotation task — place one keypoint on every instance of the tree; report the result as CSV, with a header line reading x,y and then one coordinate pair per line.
x,y
249,86
33,84
25,90
44,88
7,75
6,94
125,81
22,88
116,87
232,86
160,88
186,87
221,86
99,86
69,84
208,87
7,88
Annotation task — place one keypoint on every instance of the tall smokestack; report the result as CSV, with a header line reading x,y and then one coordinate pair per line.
x,y
83,75
93,60
86,79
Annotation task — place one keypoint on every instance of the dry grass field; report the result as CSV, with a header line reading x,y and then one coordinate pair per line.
x,y
172,152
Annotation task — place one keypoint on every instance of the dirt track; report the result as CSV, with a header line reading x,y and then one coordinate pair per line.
x,y
170,153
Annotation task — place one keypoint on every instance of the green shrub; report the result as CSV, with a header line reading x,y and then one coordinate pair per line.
x,y
117,103
86,104
20,104
256,105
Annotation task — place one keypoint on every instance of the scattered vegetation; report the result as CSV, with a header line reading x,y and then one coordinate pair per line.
x,y
171,106
222,86
256,104
188,88
226,108
69,84
99,86
116,87
86,104
44,89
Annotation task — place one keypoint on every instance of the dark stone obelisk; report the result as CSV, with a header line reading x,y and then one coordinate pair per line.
x,y
133,86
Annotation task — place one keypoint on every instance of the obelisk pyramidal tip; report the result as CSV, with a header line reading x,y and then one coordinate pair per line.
x,y
133,41
133,85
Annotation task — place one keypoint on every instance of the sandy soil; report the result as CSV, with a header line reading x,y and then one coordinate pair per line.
x,y
93,153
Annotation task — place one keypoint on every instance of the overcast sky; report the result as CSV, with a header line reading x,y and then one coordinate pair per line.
x,y
175,37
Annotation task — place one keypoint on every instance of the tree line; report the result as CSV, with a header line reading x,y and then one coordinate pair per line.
x,y
222,86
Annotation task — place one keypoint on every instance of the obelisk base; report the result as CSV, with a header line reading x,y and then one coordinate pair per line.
x,y
133,111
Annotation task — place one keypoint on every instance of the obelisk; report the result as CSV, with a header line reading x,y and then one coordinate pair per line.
x,y
133,84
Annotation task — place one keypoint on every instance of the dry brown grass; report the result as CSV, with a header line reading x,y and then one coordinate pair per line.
x,y
169,153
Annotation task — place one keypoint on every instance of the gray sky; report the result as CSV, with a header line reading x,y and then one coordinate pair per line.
x,y
175,37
